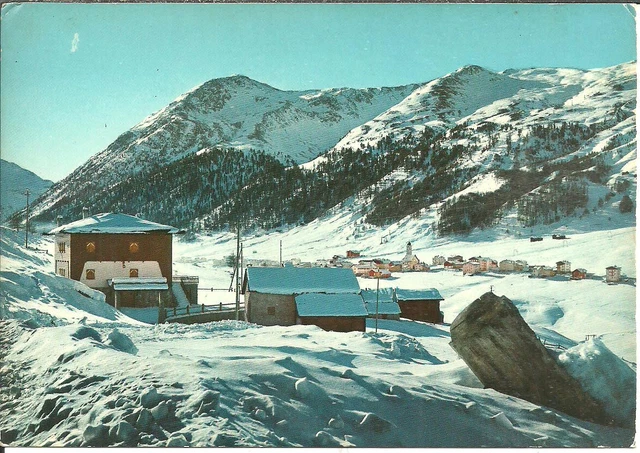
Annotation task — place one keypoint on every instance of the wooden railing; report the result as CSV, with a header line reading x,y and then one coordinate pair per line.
x,y
197,309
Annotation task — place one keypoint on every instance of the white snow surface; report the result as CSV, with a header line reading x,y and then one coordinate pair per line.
x,y
79,373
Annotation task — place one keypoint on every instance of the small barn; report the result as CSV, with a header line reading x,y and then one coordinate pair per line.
x,y
353,254
326,297
384,299
420,305
578,274
379,273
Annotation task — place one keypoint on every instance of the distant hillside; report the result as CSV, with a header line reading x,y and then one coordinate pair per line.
x,y
14,180
460,152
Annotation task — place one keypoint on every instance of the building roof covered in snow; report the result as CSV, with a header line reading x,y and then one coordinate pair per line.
x,y
300,280
418,294
384,295
110,223
384,308
330,305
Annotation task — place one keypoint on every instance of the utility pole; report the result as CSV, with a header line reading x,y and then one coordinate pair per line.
x,y
377,300
280,252
238,271
26,229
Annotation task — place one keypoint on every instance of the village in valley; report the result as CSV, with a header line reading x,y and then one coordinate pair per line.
x,y
318,226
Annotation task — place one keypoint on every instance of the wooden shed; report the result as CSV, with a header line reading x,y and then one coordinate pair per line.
x,y
420,305
326,297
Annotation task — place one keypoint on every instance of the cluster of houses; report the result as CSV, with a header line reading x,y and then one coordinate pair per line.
x,y
382,268
130,260
329,298
479,264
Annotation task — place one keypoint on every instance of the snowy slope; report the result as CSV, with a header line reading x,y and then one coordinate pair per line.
x,y
110,380
231,112
14,180
474,94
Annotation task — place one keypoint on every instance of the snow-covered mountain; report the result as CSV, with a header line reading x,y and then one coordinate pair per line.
x,y
235,112
426,151
14,181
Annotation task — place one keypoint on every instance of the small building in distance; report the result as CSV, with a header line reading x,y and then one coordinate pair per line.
x,y
613,274
438,260
420,305
507,265
353,254
387,307
411,262
127,258
563,267
326,297
470,268
542,271
578,274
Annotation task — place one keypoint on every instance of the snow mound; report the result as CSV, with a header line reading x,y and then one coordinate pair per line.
x,y
121,342
606,377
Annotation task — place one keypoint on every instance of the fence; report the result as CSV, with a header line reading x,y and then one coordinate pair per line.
x,y
197,309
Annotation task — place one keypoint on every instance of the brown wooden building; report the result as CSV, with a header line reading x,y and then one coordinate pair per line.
x,y
106,248
420,305
326,297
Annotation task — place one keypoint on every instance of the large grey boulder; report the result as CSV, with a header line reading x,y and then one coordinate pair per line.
x,y
504,353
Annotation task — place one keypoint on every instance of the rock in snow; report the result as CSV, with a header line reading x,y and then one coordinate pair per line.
x,y
505,354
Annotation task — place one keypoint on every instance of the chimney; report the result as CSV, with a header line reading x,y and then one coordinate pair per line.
x,y
85,212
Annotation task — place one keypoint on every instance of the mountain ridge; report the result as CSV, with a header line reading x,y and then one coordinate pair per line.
x,y
455,128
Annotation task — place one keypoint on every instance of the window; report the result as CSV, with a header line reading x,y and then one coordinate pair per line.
x,y
91,247
62,246
91,274
271,310
62,271
133,247
133,272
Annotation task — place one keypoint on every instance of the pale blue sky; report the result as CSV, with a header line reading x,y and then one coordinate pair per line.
x,y
75,76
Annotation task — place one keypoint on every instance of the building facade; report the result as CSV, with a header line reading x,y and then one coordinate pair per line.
x,y
98,249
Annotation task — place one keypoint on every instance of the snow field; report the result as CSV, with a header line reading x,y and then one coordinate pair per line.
x,y
234,384
102,378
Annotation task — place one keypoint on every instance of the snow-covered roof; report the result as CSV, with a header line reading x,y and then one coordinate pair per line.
x,y
139,284
330,305
384,308
385,295
414,294
299,280
114,224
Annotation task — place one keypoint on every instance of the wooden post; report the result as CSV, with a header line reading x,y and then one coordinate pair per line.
x,y
115,299
161,312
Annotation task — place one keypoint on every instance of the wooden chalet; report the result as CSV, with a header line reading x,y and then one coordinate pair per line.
x,y
420,305
326,297
127,258
353,254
